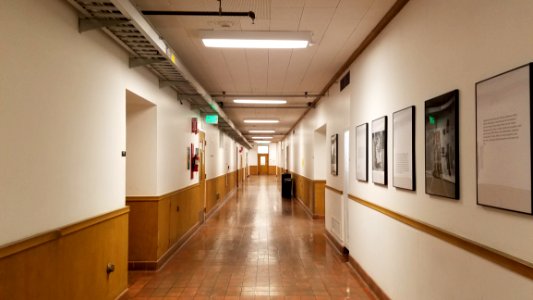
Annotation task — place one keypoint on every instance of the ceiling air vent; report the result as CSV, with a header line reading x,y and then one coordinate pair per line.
x,y
345,81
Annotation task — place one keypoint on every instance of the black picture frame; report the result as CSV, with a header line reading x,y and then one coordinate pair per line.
x,y
379,151
441,118
334,159
361,152
403,149
503,140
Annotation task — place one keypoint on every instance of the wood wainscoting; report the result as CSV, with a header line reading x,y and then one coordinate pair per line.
x,y
319,190
271,170
159,225
254,170
311,194
218,189
69,262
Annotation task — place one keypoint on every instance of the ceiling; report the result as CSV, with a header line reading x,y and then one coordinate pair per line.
x,y
338,28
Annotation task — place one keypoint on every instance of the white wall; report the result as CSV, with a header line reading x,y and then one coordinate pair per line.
x,y
252,156
430,48
141,146
320,153
457,43
333,112
272,154
63,121
220,152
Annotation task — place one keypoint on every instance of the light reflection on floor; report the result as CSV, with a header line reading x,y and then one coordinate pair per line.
x,y
257,246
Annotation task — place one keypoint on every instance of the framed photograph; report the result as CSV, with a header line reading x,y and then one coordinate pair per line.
x,y
403,149
503,140
361,155
441,116
334,154
379,150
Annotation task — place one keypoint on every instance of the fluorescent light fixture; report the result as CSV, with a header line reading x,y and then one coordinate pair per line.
x,y
261,131
262,142
259,101
256,39
261,137
261,121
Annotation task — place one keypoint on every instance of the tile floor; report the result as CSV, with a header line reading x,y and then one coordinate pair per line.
x,y
257,246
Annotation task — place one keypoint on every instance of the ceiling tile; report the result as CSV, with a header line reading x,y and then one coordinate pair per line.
x,y
337,27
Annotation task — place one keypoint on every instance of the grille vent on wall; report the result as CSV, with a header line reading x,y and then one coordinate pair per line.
x,y
345,81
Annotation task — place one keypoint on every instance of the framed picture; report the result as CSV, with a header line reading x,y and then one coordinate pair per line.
x,y
379,150
403,149
503,139
334,154
361,155
441,116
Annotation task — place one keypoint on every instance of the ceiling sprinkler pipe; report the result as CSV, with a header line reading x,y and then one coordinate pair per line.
x,y
249,14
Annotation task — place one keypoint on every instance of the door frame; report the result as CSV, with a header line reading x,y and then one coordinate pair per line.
x,y
259,163
201,173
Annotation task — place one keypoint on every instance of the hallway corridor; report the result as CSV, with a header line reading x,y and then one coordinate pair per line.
x,y
256,246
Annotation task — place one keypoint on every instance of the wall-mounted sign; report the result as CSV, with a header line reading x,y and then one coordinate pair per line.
x,y
211,119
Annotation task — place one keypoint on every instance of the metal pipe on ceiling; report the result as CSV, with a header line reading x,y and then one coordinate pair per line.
x,y
266,96
249,14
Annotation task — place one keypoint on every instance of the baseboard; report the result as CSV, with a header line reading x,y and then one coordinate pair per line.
x,y
122,295
372,285
156,265
306,209
335,243
220,204
342,251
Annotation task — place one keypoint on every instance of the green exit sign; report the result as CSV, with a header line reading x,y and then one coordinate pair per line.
x,y
432,120
211,119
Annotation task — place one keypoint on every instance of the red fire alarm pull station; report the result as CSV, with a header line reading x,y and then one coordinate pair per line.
x,y
194,125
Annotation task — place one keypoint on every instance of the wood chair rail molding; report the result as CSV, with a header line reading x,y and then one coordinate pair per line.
x,y
39,239
334,189
500,258
158,198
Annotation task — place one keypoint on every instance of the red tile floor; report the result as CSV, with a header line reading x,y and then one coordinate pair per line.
x,y
257,246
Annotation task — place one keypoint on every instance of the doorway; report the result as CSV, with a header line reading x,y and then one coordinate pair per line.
x,y
346,183
201,171
262,161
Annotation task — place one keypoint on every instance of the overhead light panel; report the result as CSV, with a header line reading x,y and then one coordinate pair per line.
x,y
262,142
262,131
261,121
256,39
261,137
259,101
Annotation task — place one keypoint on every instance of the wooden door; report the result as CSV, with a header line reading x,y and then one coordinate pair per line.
x,y
262,161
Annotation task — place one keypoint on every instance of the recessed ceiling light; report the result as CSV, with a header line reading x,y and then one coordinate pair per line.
x,y
261,121
259,101
256,39
261,137
262,142
261,131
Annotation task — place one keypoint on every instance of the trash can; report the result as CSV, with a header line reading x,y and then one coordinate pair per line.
x,y
286,185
